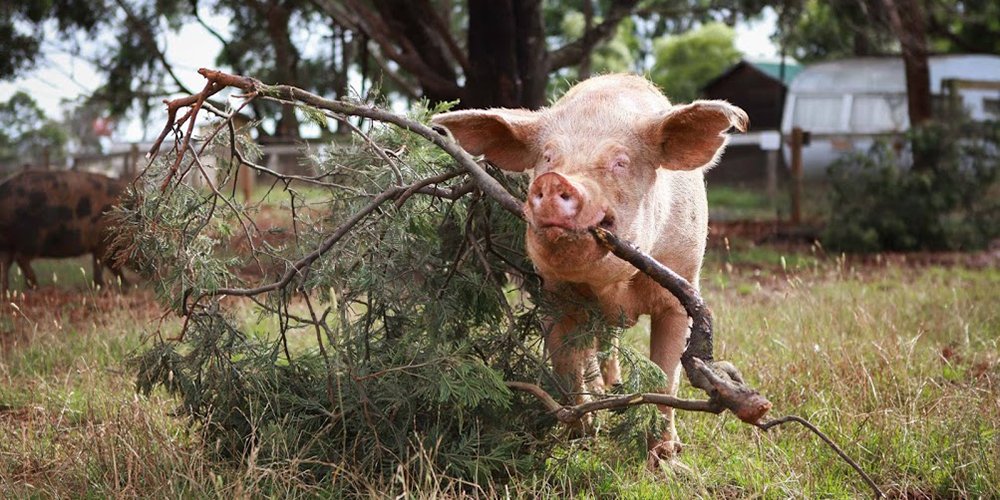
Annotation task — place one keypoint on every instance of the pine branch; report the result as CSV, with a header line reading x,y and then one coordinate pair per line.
x,y
218,80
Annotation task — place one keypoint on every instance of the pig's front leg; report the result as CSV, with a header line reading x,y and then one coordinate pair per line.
x,y
574,360
667,338
29,274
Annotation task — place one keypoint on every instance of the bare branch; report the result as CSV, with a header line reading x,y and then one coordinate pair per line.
x,y
298,266
572,53
484,180
765,426
395,46
571,414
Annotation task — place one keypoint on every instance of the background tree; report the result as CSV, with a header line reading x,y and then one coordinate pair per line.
x,y
480,52
818,31
684,63
22,28
27,135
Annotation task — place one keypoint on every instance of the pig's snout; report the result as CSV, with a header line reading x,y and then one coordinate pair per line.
x,y
557,201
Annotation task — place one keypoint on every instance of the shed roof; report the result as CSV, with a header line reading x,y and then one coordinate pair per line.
x,y
886,74
769,69
773,69
848,76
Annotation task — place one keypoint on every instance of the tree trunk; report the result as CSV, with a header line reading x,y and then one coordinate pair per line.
x,y
906,19
532,56
494,78
286,59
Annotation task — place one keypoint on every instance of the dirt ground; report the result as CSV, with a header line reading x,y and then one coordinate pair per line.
x,y
54,306
784,237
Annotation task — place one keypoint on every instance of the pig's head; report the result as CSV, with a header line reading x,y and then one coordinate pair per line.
x,y
596,158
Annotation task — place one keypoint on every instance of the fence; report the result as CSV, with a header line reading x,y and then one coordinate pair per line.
x,y
126,160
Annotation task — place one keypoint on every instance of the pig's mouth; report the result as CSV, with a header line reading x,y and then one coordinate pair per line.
x,y
557,228
608,222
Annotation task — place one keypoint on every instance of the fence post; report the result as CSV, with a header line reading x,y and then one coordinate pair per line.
x,y
133,161
796,167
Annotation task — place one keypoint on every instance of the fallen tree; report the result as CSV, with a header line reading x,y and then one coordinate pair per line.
x,y
387,279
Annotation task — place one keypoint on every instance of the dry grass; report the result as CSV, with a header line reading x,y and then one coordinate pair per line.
x,y
899,364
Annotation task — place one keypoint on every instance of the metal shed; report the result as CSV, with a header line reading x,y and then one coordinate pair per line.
x,y
846,104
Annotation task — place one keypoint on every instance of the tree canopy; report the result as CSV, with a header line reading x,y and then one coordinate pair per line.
x,y
477,52
481,53
814,30
686,62
26,134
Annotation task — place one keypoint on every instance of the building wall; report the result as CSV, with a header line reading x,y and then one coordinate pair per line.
x,y
761,96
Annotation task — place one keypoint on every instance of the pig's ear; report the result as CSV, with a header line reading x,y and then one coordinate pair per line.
x,y
505,136
694,135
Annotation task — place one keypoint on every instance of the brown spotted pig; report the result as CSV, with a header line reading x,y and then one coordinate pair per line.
x,y
55,214
613,152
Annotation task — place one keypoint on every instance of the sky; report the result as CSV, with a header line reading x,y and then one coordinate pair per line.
x,y
61,76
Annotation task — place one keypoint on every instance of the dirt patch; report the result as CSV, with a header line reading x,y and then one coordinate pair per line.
x,y
51,307
760,232
785,237
274,228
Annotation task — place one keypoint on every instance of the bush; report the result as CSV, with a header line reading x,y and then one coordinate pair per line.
x,y
948,200
381,365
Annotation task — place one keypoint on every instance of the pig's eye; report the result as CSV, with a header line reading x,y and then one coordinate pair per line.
x,y
548,158
620,163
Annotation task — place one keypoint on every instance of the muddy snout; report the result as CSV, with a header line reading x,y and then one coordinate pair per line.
x,y
556,201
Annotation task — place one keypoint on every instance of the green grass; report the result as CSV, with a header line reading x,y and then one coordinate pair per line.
x,y
899,365
860,354
76,273
727,202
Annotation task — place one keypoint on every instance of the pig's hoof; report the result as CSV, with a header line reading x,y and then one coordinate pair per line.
x,y
664,453
585,427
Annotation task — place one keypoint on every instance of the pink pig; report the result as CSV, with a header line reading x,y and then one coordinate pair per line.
x,y
611,152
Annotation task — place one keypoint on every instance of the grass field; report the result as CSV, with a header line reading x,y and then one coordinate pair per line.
x,y
899,364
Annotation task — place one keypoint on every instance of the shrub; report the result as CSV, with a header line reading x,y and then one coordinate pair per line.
x,y
880,201
383,361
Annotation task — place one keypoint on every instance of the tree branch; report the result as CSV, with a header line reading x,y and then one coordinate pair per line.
x,y
484,180
572,53
397,48
147,36
766,426
720,380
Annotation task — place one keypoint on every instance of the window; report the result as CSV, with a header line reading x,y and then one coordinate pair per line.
x,y
878,113
818,113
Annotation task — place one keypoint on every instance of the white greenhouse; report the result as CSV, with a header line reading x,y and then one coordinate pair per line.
x,y
846,104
